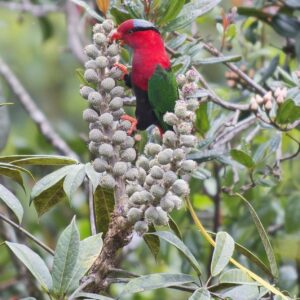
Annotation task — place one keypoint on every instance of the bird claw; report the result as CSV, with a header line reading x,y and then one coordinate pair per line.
x,y
133,122
122,68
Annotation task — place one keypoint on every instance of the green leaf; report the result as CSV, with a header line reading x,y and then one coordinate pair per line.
x,y
222,253
34,264
174,227
172,10
242,158
119,14
88,9
12,202
202,123
152,241
93,176
74,180
6,103
201,294
89,250
269,71
48,191
65,258
155,281
286,26
236,276
217,60
89,296
46,28
242,292
40,160
264,237
292,214
13,174
288,112
14,167
175,241
104,204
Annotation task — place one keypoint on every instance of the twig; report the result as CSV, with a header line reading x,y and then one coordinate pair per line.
x,y
293,155
34,9
29,235
34,112
81,287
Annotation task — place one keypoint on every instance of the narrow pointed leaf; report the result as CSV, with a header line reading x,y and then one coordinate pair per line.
x,y
263,235
40,160
242,292
222,253
93,176
12,202
14,167
88,9
13,174
173,10
201,294
217,60
152,241
34,264
236,276
174,227
65,258
89,296
89,249
175,241
74,180
242,158
155,281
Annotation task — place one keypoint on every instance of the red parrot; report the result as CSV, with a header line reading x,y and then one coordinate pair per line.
x,y
151,79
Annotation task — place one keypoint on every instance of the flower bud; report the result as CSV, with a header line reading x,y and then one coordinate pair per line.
x,y
108,25
137,199
188,165
120,168
91,51
95,135
95,98
151,214
128,143
268,105
175,199
119,137
106,119
149,180
107,181
91,64
98,28
189,89
142,175
143,162
259,99
102,62
165,156
185,128
89,115
134,215
85,91
167,204
157,172
117,91
188,140
152,149
116,103
192,75
93,147
133,188
132,174
192,104
125,125
100,165
116,73
162,218
178,154
128,155
141,227
99,38
169,178
170,139
181,80
106,150
157,191
171,119
108,84
180,188
180,109
90,75
113,50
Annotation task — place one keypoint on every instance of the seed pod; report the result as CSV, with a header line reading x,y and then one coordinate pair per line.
x,y
90,75
157,191
180,188
185,128
85,91
151,214
108,25
120,168
178,154
89,115
100,165
170,139
143,162
117,91
106,150
134,215
169,178
188,140
188,165
181,80
157,172
162,218
171,119
113,50
91,64
165,156
95,98
141,227
167,204
192,104
152,149
132,174
107,181
99,38
106,119
91,51
116,103
108,84
102,62
128,155
96,135
119,137
128,143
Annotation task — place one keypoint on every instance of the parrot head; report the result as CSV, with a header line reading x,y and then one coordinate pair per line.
x,y
135,32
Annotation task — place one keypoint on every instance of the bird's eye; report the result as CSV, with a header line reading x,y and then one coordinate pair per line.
x,y
130,31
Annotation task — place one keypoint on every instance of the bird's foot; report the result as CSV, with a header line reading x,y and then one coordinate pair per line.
x,y
133,122
122,68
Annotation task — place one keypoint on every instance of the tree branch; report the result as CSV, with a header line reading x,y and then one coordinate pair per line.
x,y
34,112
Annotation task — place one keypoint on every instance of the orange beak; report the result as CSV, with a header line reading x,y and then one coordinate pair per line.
x,y
116,36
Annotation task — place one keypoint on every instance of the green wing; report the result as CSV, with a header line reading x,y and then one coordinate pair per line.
x,y
162,93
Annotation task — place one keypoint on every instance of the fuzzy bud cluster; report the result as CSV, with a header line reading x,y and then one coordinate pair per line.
x,y
157,187
109,143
